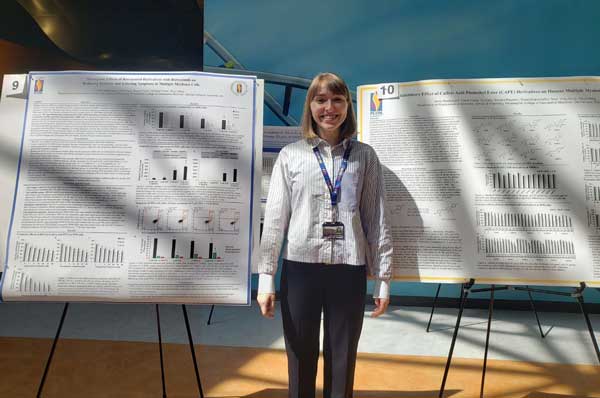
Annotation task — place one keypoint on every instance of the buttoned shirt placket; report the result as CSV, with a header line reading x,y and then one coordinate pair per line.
x,y
329,152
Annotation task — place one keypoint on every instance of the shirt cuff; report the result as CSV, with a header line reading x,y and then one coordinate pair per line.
x,y
266,284
381,289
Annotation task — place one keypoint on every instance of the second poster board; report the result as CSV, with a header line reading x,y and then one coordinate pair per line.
x,y
492,179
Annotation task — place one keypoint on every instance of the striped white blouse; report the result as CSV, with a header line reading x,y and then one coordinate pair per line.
x,y
299,203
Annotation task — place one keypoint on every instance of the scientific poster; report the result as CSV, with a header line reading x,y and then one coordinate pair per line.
x,y
136,187
274,139
492,179
12,106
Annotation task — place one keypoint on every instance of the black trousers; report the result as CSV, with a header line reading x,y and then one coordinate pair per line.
x,y
339,291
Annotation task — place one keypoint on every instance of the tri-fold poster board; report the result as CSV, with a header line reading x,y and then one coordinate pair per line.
x,y
146,187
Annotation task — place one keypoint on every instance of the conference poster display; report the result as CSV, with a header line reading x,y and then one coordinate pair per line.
x,y
274,139
136,187
492,179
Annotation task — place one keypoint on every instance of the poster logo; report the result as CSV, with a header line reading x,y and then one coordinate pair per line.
x,y
239,87
38,86
376,104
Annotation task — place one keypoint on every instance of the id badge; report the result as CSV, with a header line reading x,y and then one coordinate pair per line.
x,y
333,230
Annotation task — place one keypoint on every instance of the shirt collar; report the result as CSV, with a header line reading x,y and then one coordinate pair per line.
x,y
318,141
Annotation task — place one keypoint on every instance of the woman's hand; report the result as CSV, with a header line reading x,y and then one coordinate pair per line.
x,y
266,301
380,307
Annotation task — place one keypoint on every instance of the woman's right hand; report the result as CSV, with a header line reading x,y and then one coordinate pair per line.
x,y
266,301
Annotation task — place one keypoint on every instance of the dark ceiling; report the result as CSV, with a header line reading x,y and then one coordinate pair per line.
x,y
110,34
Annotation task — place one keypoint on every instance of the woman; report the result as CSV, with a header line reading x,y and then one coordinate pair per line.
x,y
326,195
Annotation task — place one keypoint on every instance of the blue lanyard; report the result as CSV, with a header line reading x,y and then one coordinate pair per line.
x,y
334,190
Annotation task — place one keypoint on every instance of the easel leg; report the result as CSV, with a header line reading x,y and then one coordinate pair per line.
x,y
193,351
212,308
589,324
537,318
49,361
487,340
162,367
464,296
437,293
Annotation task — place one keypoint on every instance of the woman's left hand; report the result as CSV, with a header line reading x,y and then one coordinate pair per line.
x,y
380,307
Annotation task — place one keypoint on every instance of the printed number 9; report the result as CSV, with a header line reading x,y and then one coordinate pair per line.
x,y
15,84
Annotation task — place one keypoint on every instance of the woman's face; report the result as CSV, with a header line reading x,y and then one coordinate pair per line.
x,y
328,110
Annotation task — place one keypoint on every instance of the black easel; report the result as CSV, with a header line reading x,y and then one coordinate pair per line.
x,y
51,355
162,367
467,288
212,308
160,350
192,349
578,295
437,293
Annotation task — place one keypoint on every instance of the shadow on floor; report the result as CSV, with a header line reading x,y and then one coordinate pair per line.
x,y
283,393
537,394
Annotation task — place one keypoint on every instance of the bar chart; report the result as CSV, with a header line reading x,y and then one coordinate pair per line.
x,y
592,193
173,120
26,284
159,248
71,254
590,129
507,247
165,169
524,221
66,254
227,123
593,155
593,219
521,181
34,254
208,253
164,248
230,175
102,254
177,119
215,175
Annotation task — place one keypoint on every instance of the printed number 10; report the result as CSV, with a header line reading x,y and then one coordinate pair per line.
x,y
387,90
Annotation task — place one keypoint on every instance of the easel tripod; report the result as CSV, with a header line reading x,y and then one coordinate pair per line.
x,y
162,370
467,288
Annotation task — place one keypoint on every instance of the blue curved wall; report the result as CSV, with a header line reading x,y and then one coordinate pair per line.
x,y
404,40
